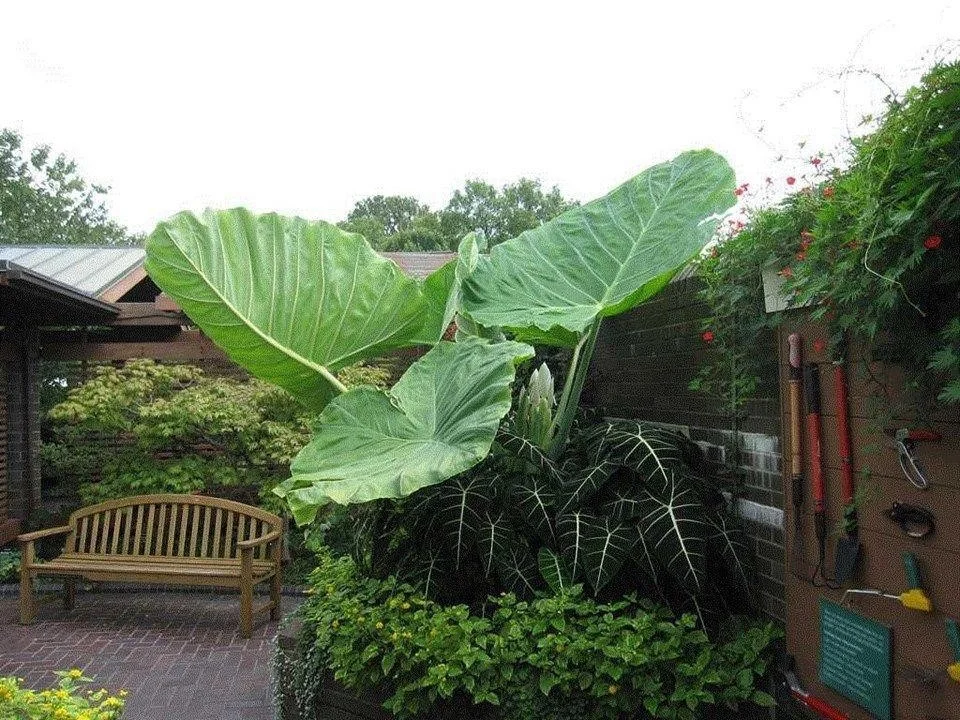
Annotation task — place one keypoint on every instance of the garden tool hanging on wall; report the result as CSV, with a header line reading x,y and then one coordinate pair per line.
x,y
914,520
796,449
914,598
848,545
953,637
821,707
811,387
905,441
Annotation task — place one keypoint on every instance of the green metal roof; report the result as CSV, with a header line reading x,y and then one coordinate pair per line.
x,y
91,270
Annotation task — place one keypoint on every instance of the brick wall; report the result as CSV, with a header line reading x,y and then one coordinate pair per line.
x,y
4,514
642,368
23,432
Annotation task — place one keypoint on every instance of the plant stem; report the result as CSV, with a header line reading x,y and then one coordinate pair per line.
x,y
572,388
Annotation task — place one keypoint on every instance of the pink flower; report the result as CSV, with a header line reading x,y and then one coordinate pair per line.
x,y
791,180
815,161
828,192
786,272
708,336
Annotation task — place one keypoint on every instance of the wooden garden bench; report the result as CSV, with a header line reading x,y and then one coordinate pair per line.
x,y
165,539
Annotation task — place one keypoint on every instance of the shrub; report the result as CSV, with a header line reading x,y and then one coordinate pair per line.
x,y
67,701
9,565
180,431
560,653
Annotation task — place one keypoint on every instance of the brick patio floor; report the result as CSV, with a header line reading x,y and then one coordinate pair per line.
x,y
177,653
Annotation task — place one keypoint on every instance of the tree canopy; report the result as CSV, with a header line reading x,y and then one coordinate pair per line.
x,y
44,200
395,222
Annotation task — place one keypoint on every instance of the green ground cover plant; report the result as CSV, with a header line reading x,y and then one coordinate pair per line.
x,y
558,656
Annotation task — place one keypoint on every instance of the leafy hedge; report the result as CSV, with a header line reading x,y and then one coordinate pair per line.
x,y
557,656
67,701
185,432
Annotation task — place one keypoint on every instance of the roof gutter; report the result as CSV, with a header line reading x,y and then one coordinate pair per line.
x,y
11,274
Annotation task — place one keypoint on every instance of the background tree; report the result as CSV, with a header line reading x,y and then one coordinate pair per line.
x,y
44,200
500,214
396,222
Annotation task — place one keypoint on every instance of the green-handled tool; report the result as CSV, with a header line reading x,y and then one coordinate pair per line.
x,y
914,598
953,635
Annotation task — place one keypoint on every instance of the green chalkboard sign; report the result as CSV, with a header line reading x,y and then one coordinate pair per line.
x,y
856,658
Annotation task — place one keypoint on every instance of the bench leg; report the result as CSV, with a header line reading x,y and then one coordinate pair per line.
x,y
275,586
69,593
246,609
28,604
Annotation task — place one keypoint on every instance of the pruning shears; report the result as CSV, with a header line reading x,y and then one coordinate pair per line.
x,y
904,440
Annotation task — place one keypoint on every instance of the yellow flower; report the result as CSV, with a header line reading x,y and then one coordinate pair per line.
x,y
75,674
613,689
405,606
379,626
5,692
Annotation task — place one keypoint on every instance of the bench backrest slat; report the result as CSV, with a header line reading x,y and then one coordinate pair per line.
x,y
172,526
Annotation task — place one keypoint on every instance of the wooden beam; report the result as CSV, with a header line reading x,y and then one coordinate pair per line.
x,y
185,345
147,314
124,285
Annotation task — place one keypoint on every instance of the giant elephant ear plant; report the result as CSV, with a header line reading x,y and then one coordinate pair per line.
x,y
292,301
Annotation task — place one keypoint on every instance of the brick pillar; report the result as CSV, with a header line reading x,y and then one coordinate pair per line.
x,y
23,426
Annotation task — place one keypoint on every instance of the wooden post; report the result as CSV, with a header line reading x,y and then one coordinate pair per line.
x,y
276,584
69,593
246,591
28,606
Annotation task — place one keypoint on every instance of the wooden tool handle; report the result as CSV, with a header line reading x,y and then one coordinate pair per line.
x,y
796,432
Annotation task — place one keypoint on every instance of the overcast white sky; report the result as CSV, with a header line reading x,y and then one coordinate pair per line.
x,y
307,107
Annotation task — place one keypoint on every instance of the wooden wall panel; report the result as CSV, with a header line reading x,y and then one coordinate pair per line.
x,y
922,688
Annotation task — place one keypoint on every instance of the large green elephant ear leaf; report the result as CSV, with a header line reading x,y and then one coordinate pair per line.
x,y
603,258
290,300
437,421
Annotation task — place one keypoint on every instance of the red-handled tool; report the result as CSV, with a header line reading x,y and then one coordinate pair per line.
x,y
821,707
796,448
811,386
848,545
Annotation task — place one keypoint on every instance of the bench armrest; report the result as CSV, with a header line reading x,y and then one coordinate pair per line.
x,y
263,539
30,537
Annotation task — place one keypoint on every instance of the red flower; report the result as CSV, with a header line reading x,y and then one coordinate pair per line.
x,y
738,192
787,272
815,161
828,192
791,180
708,336
819,345
806,239
802,255
933,242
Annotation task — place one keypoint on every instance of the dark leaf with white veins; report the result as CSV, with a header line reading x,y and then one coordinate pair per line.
x,y
495,537
533,498
606,544
675,527
554,570
461,502
518,571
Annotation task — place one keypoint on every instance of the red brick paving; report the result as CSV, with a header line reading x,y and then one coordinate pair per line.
x,y
178,654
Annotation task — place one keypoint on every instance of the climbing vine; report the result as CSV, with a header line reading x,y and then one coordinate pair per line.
x,y
873,248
